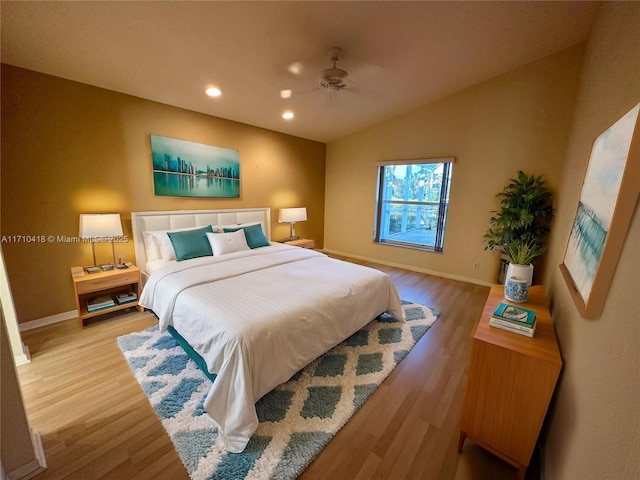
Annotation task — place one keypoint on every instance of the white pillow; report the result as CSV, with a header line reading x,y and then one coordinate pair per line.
x,y
223,243
164,246
151,246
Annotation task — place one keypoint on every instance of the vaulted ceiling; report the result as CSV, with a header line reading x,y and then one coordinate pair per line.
x,y
399,55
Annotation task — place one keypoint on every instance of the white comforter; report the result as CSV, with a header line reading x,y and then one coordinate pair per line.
x,y
259,316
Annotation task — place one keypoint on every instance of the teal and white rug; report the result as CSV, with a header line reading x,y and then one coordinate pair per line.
x,y
297,418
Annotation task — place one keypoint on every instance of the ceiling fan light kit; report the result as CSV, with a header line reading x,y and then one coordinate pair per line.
x,y
333,78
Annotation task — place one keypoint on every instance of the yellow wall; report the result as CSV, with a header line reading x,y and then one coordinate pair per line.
x,y
515,121
69,148
594,425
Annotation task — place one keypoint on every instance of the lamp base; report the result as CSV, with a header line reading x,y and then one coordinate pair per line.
x,y
292,233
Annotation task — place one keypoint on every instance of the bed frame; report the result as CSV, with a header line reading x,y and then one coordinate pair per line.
x,y
169,220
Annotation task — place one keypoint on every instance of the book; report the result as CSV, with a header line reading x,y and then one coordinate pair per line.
x,y
77,272
513,327
515,314
99,303
126,297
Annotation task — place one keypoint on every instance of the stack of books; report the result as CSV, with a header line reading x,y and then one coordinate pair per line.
x,y
514,319
126,297
99,303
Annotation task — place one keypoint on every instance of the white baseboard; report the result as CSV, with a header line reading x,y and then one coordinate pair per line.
x,y
411,268
35,466
51,319
22,358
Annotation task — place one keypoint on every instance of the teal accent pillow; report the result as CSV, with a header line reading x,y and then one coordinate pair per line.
x,y
254,235
191,243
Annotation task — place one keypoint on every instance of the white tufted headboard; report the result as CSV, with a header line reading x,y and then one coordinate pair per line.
x,y
170,220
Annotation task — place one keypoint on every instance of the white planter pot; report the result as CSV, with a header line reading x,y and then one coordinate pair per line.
x,y
521,271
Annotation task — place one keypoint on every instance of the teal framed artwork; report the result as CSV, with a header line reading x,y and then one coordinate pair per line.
x,y
189,169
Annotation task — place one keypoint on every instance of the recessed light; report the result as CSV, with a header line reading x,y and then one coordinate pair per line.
x,y
288,115
213,92
285,93
295,68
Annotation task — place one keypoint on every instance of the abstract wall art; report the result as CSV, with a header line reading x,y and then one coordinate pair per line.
x,y
607,201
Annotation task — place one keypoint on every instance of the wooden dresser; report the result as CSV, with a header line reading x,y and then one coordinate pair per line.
x,y
510,383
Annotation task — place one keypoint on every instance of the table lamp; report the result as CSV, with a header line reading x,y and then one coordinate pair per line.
x,y
292,215
95,227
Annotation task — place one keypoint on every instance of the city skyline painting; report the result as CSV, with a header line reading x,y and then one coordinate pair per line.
x,y
189,169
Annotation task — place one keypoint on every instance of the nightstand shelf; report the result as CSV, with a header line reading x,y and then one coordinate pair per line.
x,y
109,283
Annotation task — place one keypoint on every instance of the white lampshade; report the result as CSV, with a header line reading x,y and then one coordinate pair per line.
x,y
292,215
100,225
96,227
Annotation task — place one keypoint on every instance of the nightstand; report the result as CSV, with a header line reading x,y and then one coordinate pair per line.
x,y
302,242
510,382
106,284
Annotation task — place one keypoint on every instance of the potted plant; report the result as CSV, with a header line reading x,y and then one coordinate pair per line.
x,y
520,227
521,257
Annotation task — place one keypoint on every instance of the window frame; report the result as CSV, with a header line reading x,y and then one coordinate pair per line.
x,y
442,203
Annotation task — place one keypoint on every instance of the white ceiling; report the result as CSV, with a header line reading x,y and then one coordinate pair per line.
x,y
399,55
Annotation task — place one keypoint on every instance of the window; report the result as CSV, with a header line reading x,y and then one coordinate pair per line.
x,y
413,197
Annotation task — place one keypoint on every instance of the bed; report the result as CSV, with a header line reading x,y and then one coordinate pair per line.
x,y
253,312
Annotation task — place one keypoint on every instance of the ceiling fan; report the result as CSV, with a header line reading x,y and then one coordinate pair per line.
x,y
333,79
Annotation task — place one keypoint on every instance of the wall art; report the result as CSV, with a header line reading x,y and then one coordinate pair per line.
x,y
607,202
189,169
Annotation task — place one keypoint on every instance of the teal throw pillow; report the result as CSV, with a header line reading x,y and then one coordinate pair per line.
x,y
254,235
191,243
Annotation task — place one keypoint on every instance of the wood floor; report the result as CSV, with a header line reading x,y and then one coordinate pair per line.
x,y
95,421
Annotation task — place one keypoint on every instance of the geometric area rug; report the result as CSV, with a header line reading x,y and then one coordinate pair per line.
x,y
297,419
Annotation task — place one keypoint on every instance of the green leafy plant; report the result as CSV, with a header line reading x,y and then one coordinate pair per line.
x,y
523,253
521,225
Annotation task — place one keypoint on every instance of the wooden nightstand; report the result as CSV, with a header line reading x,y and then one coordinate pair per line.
x,y
510,383
302,242
94,285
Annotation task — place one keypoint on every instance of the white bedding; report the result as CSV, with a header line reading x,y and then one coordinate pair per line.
x,y
153,265
259,316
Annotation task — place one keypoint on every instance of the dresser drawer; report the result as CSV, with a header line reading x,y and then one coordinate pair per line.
x,y
105,282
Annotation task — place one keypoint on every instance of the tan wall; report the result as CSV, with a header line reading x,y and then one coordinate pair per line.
x,y
68,148
531,119
594,427
516,121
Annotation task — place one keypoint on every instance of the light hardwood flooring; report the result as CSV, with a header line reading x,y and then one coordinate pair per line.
x,y
95,422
